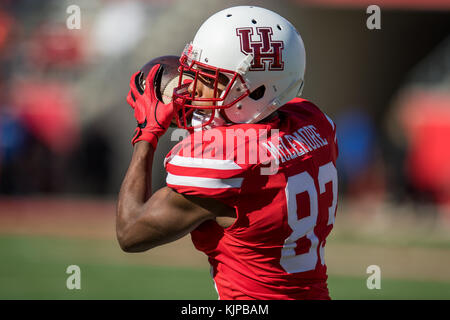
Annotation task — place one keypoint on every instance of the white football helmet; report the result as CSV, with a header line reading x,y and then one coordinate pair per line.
x,y
261,54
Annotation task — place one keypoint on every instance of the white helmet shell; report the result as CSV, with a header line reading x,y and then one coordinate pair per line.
x,y
264,48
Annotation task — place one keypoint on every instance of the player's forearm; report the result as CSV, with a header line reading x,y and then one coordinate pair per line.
x,y
135,190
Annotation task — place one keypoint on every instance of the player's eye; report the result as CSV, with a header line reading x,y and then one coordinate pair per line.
x,y
207,80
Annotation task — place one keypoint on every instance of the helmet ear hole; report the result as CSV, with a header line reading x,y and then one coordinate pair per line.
x,y
258,93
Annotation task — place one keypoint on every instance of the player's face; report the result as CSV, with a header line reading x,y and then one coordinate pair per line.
x,y
205,88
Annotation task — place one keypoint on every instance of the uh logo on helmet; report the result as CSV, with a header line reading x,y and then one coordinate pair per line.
x,y
265,49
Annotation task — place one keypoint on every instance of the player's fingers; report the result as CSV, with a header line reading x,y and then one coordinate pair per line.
x,y
139,113
151,79
136,83
133,79
164,114
131,99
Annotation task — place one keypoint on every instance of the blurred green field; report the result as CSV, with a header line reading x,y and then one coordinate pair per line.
x,y
34,267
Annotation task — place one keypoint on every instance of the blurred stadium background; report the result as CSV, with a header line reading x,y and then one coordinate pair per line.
x,y
65,132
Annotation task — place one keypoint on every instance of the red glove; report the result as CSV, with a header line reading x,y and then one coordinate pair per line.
x,y
153,116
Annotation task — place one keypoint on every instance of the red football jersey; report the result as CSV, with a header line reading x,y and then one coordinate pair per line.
x,y
281,179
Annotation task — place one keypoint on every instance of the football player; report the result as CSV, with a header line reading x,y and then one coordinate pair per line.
x,y
264,231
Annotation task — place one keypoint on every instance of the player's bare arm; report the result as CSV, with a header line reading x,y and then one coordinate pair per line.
x,y
144,222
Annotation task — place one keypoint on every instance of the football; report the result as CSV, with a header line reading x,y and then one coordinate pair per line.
x,y
166,80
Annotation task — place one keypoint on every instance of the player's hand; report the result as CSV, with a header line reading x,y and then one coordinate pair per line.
x,y
153,117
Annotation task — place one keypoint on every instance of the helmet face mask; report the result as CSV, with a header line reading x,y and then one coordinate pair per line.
x,y
252,59
227,86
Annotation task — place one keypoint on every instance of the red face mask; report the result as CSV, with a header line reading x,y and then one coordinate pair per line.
x,y
186,101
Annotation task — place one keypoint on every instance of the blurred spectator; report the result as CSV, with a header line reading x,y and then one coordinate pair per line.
x,y
419,123
38,132
92,161
6,28
425,118
118,27
55,45
360,168
47,109
12,141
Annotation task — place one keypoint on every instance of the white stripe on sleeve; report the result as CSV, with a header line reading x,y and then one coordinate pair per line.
x,y
330,121
202,182
204,163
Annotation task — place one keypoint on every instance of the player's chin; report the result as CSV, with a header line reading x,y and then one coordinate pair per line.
x,y
203,112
